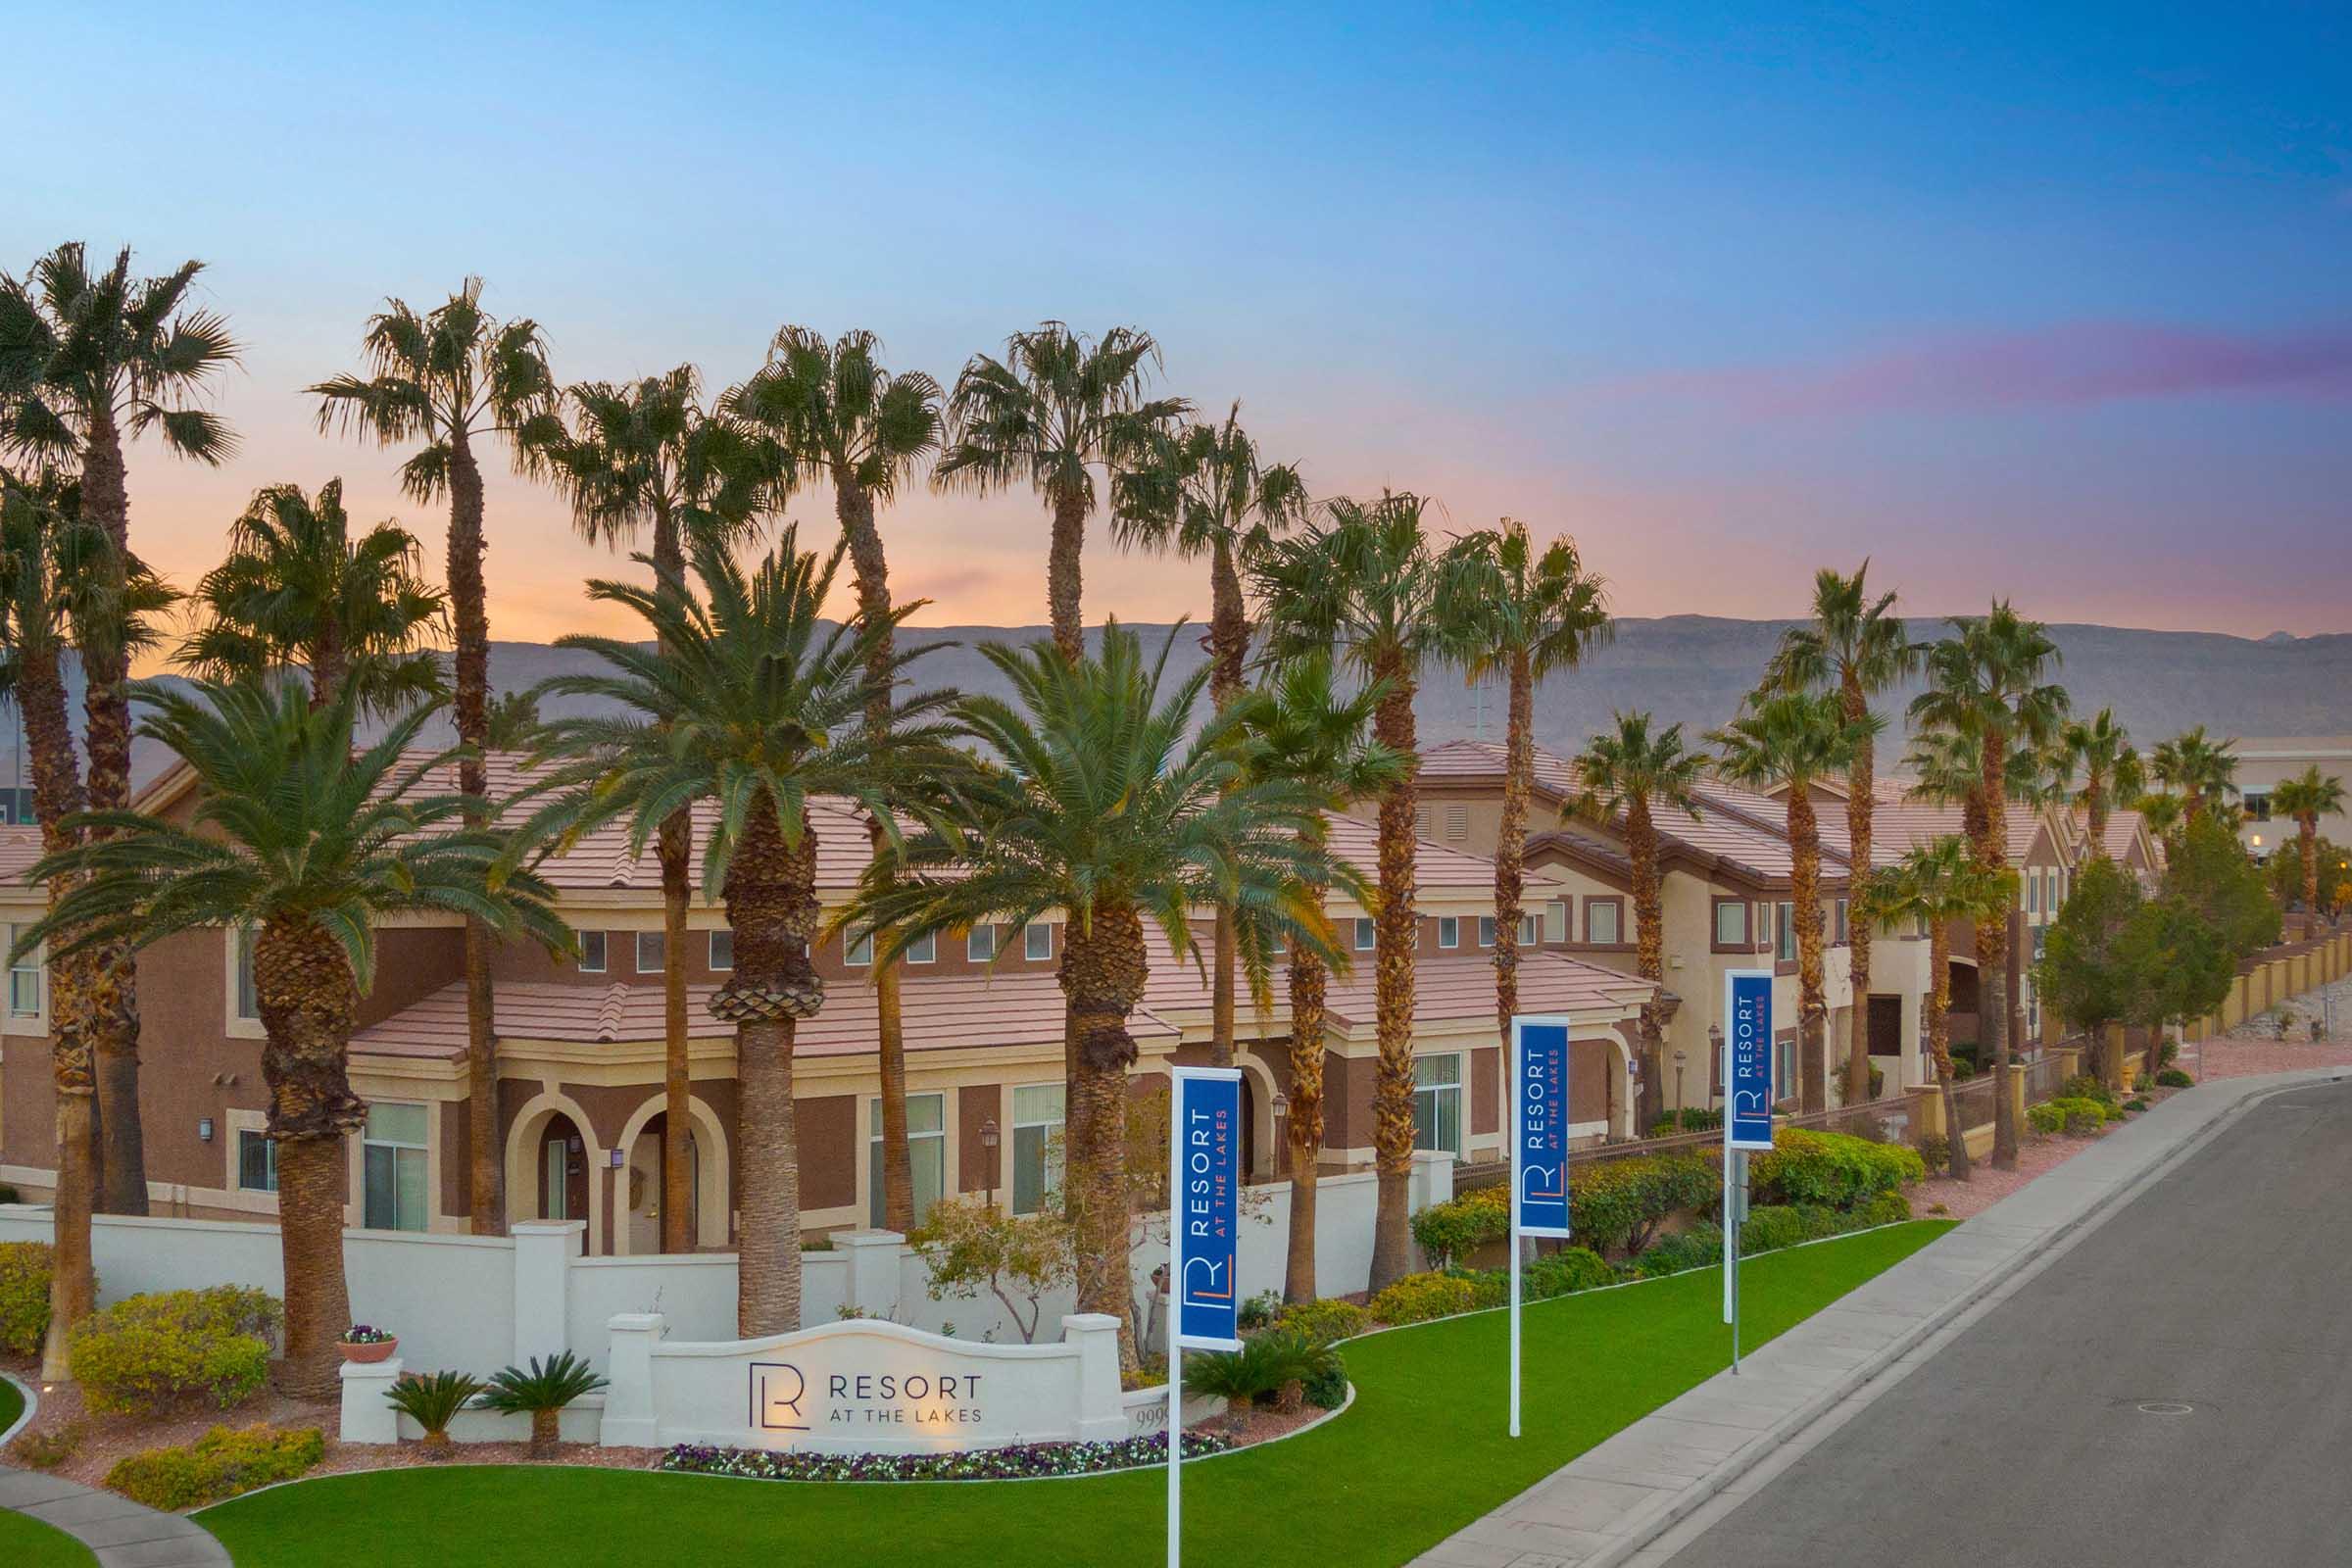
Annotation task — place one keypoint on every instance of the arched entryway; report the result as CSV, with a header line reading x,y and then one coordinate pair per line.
x,y
637,1191
641,1206
562,1169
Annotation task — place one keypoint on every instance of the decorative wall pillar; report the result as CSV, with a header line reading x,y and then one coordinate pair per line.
x,y
1102,1416
629,1390
543,1252
875,1272
367,1415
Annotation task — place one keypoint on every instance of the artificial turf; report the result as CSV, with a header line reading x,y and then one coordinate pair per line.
x,y
1421,1453
12,1404
26,1542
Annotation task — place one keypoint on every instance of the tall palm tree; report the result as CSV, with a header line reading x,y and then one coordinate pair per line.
x,y
836,414
2203,771
2306,797
1102,800
1520,614
86,362
1986,680
1633,773
1203,490
448,378
1364,581
1299,726
309,846
645,457
2101,748
748,701
2161,812
1935,884
1856,646
297,589
1059,404
1790,740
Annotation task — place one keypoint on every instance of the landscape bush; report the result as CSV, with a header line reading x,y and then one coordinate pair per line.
x,y
37,1450
1832,1170
1689,1119
1264,1365
1326,1387
1773,1226
1329,1320
221,1464
1261,1311
1886,1208
2072,1114
1563,1273
147,1353
2088,1086
1699,1246
1418,1298
434,1399
1934,1153
23,1296
2174,1078
1618,1206
2081,1120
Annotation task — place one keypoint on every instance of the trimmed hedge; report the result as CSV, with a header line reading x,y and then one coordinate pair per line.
x,y
1328,1319
1618,1206
1699,1246
221,1464
23,1296
1418,1298
2072,1114
2174,1078
1564,1273
146,1352
1834,1170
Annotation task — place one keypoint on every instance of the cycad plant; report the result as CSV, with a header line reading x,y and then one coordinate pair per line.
x,y
434,1399
541,1391
748,699
1099,798
309,845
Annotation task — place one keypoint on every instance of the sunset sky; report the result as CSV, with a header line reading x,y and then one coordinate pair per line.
x,y
2056,307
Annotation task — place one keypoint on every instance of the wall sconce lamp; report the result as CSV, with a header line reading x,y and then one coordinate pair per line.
x,y
204,1129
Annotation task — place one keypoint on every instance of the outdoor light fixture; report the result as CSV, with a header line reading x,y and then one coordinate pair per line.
x,y
204,1129
987,1141
1680,1056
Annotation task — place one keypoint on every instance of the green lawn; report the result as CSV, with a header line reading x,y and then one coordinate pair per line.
x,y
28,1544
1421,1455
12,1404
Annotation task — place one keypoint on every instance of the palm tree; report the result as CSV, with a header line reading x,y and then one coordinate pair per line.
x,y
748,701
1102,801
1203,490
2202,770
836,414
87,361
297,589
2161,811
1935,884
309,846
1633,771
2111,769
1059,404
1856,646
1299,726
448,378
1364,581
641,457
1520,615
2307,797
1790,740
1985,681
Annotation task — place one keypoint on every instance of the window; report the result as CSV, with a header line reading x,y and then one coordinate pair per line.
x,y
980,944
1367,933
1605,922
1037,940
926,1153
257,1161
2257,805
1784,931
1528,935
1843,931
648,952
1763,925
722,951
2034,892
592,952
249,1000
392,1163
1037,1117
1730,922
1557,927
857,949
1457,822
23,980
1486,930
1450,931
1784,1069
1437,1103
923,948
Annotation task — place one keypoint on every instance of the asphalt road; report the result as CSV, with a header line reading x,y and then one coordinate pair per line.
x,y
2050,1431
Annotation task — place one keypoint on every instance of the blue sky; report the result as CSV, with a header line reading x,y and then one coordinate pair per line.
x,y
2050,305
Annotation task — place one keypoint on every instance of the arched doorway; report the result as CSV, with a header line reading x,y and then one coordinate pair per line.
x,y
641,1203
1249,1165
563,1165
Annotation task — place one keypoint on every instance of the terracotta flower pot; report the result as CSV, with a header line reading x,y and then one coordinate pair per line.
x,y
370,1355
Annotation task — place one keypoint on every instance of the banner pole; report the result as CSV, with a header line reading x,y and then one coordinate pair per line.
x,y
1730,1241
1517,1141
1175,1332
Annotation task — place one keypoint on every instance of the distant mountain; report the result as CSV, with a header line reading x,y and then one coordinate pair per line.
x,y
1695,668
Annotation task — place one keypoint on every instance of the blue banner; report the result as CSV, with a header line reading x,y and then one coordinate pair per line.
x,y
1748,1059
1204,1214
1539,1147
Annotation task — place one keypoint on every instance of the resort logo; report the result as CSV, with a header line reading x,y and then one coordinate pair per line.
x,y
777,1389
781,1391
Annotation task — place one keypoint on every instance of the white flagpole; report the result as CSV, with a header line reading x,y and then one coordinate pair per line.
x,y
1518,1137
1175,1332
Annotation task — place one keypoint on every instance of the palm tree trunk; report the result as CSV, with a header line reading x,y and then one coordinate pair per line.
x,y
1102,974
2307,830
1993,952
1510,847
1395,937
113,997
1860,804
2094,808
854,507
1939,1044
1650,948
1309,984
1812,1008
673,851
1063,573
470,611
1228,649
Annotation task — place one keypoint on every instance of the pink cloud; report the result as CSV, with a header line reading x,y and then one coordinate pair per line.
x,y
2074,363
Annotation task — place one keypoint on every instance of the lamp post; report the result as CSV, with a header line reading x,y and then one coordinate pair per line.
x,y
1680,1057
987,1141
1282,1133
1715,1053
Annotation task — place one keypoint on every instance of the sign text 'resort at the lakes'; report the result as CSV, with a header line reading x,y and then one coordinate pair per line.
x,y
785,1398
1539,1154
1206,1204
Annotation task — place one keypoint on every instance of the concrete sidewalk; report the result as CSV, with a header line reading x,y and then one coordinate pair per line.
x,y
1608,1504
119,1532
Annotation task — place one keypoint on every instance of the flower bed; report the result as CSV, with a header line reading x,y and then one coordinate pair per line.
x,y
1021,1461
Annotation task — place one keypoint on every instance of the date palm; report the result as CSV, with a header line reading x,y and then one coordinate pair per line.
x,y
2202,770
310,845
2111,769
1057,406
1986,681
89,360
1521,613
1204,490
1790,740
298,589
2161,812
836,414
1633,773
644,457
447,379
1299,725
1856,646
748,701
2306,797
1101,799
1364,582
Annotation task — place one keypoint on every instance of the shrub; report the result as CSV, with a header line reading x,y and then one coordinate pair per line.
x,y
1564,1272
146,1352
1689,1119
42,1449
1261,1311
1886,1208
1699,1246
1461,1225
2174,1078
541,1391
2047,1117
1773,1226
1326,1387
218,1465
432,1399
2172,1048
1617,1204
2086,1086
2083,1121
1264,1365
1832,1169
23,1296
1934,1153
2135,1105
1329,1320
1418,1298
